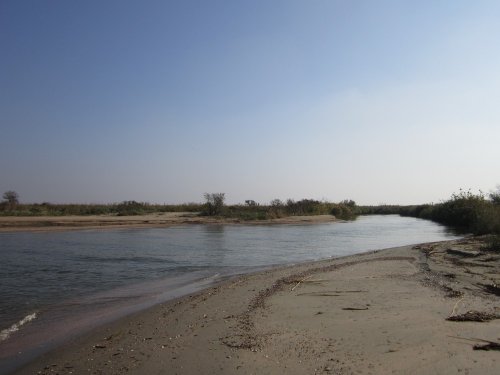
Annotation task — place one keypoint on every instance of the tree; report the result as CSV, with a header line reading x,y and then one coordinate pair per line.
x,y
276,203
214,203
349,203
11,199
276,208
495,196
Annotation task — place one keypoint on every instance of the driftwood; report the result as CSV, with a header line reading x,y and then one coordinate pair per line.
x,y
473,316
491,345
354,308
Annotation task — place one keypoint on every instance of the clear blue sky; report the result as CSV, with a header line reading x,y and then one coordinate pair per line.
x,y
161,101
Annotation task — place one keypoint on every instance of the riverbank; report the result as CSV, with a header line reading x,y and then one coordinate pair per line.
x,y
57,223
379,312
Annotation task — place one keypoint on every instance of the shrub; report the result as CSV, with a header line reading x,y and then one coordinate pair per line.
x,y
342,211
214,204
127,208
464,211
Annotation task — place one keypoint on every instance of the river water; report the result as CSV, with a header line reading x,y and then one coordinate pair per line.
x,y
53,283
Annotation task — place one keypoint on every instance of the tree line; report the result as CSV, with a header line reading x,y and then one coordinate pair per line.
x,y
465,211
11,206
251,210
214,205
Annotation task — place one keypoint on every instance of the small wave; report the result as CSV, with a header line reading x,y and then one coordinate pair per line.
x,y
124,259
212,277
5,334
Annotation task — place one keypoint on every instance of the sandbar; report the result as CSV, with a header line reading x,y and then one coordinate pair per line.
x,y
157,220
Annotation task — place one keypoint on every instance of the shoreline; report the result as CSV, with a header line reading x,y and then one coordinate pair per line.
x,y
161,220
373,312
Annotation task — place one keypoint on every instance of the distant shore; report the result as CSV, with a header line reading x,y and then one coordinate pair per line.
x,y
57,223
379,312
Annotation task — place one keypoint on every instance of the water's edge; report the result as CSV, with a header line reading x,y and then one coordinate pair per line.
x,y
25,347
219,254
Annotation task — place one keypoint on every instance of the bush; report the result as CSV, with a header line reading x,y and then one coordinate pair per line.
x,y
343,212
214,204
255,212
306,207
465,211
127,208
462,210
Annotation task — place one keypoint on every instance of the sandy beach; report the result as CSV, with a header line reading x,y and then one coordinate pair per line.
x,y
381,312
159,220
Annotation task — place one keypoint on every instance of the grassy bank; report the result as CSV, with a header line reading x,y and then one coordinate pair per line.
x,y
278,209
469,212
125,208
248,211
464,211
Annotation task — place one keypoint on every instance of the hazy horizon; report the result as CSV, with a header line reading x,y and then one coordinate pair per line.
x,y
392,102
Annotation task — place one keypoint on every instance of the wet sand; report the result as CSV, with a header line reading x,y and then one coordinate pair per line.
x,y
381,312
57,223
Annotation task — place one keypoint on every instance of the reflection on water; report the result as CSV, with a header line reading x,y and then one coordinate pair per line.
x,y
216,249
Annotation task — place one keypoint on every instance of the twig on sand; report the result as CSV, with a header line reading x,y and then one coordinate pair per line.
x,y
354,308
455,307
489,345
301,281
466,338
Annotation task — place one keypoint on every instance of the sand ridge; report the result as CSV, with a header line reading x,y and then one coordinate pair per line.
x,y
158,220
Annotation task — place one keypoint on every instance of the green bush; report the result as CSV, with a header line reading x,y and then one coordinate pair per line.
x,y
128,208
342,211
214,204
465,211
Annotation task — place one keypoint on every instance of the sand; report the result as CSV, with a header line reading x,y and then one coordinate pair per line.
x,y
381,312
158,220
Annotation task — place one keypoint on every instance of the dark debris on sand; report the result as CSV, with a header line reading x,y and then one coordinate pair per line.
x,y
490,345
473,316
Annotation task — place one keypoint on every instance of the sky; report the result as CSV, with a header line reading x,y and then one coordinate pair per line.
x,y
382,102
